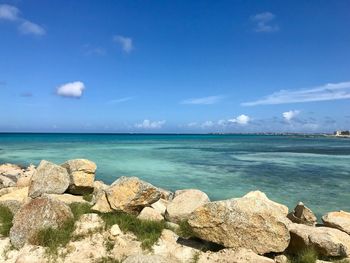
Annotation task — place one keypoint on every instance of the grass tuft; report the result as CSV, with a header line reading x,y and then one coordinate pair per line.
x,y
6,217
148,232
185,230
87,197
79,209
305,256
54,238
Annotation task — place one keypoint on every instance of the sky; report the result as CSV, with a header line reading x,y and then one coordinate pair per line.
x,y
174,66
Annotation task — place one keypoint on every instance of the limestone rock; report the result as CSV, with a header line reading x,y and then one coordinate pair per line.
x,y
10,170
99,186
37,214
184,203
82,175
68,198
339,220
88,224
14,198
240,255
252,222
166,194
50,179
125,245
328,242
131,195
302,215
141,258
32,254
149,213
6,181
88,249
115,230
101,204
168,247
160,206
25,178
281,259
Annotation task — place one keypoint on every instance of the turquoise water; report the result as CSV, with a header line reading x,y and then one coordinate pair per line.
x,y
315,170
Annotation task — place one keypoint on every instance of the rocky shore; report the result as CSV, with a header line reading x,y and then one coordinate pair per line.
x,y
59,213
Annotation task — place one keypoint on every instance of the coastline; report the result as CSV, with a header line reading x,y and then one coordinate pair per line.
x,y
102,213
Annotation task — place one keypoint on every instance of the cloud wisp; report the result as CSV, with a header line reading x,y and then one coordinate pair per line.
x,y
289,115
331,91
12,14
147,124
120,100
204,100
126,43
264,22
71,90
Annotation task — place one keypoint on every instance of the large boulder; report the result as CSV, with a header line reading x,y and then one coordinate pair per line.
x,y
14,198
339,220
50,179
131,195
37,214
302,215
184,203
82,175
241,255
252,222
327,242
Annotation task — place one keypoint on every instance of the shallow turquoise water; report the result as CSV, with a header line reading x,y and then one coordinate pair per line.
x,y
315,170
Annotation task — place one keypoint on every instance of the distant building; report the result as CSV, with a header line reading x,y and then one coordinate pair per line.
x,y
342,133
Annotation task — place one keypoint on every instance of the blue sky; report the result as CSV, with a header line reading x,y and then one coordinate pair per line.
x,y
174,66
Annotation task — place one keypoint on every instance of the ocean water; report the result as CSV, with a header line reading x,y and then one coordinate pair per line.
x,y
315,170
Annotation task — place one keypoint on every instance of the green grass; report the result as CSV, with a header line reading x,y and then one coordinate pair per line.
x,y
87,197
54,238
79,209
185,230
6,217
305,256
148,232
109,245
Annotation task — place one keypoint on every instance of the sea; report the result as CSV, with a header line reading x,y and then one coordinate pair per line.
x,y
288,168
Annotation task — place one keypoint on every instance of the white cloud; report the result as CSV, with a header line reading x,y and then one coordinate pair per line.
x,y
203,101
147,124
241,119
264,22
207,124
9,12
125,42
331,91
71,89
289,115
116,101
28,27
192,124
